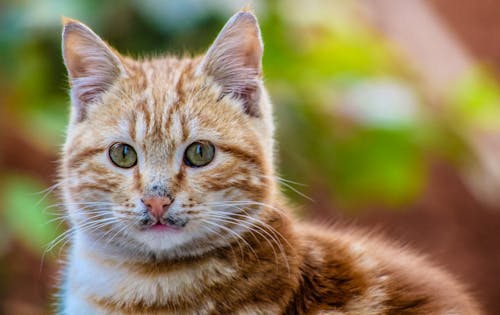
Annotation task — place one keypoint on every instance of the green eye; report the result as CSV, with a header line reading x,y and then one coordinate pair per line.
x,y
122,155
199,153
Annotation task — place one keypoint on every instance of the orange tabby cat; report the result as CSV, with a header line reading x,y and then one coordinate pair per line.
x,y
168,184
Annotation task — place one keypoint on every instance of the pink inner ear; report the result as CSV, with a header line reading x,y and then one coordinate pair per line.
x,y
235,61
93,67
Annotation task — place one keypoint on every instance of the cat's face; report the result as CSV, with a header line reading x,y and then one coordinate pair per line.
x,y
167,156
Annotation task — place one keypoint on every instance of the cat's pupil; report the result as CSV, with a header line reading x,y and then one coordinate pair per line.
x,y
199,154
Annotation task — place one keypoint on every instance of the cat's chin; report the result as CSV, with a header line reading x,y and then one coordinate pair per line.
x,y
162,237
163,228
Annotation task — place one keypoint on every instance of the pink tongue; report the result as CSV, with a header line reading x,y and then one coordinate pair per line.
x,y
162,227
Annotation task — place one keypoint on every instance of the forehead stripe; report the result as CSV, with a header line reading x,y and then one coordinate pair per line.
x,y
239,153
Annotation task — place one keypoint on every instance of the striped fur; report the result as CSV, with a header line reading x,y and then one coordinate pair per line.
x,y
240,251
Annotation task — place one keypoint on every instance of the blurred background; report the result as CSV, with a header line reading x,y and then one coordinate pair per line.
x,y
388,118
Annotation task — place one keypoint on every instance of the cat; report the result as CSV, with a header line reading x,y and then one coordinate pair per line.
x,y
168,183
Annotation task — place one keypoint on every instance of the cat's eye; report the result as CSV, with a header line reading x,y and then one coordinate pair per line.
x,y
199,153
123,155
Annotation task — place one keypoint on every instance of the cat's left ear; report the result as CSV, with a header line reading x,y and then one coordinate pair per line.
x,y
235,61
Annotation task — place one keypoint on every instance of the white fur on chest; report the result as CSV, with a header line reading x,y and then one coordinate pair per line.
x,y
91,277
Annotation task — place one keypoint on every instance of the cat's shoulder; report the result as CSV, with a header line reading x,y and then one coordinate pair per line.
x,y
369,271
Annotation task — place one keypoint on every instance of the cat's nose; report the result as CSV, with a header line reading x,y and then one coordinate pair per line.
x,y
157,206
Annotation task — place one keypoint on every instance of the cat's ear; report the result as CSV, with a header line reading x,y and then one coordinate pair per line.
x,y
235,60
92,65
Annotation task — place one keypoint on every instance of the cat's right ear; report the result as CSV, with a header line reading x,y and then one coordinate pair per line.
x,y
92,65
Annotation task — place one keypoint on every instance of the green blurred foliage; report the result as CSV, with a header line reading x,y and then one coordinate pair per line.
x,y
27,212
476,100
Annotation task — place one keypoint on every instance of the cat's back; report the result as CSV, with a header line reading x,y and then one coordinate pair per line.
x,y
345,271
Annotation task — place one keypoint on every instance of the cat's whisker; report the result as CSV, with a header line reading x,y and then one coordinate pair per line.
x,y
123,228
81,206
247,203
221,237
255,223
235,234
244,224
276,236
49,189
110,223
87,209
71,230
80,203
268,206
65,236
232,204
281,179
287,184
98,224
65,216
220,215
217,219
272,234
46,192
56,240
266,224
88,229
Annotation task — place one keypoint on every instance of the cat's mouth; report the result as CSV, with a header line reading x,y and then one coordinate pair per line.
x,y
170,223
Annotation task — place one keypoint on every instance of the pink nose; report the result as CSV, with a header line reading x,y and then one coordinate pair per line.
x,y
157,206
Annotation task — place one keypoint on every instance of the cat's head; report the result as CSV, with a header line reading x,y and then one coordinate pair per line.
x,y
171,156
